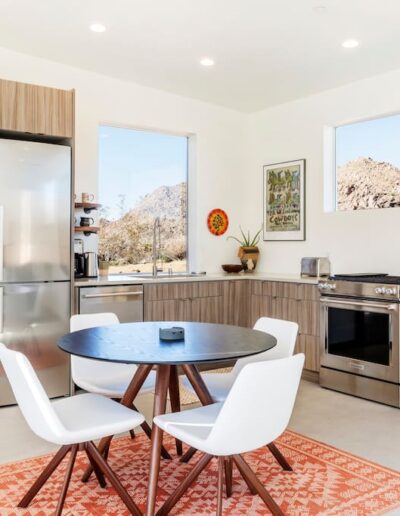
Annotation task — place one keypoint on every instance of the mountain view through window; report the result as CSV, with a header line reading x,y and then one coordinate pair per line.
x,y
142,176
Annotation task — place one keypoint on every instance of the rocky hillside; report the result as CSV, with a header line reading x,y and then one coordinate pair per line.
x,y
129,239
165,202
365,183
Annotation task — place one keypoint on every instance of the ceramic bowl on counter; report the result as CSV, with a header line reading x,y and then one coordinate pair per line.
x,y
232,268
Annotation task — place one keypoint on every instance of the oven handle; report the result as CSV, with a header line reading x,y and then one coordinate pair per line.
x,y
392,307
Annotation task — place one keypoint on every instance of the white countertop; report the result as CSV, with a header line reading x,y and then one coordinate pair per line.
x,y
121,279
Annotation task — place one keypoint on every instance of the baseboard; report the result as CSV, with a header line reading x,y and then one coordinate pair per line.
x,y
310,376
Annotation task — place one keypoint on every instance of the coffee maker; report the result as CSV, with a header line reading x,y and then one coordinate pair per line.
x,y
79,258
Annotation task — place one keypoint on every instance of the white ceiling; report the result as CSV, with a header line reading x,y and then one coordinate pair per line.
x,y
266,51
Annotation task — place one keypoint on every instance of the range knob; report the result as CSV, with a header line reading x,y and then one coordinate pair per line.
x,y
332,286
322,286
379,290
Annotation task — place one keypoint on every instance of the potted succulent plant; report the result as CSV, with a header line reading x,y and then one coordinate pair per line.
x,y
248,250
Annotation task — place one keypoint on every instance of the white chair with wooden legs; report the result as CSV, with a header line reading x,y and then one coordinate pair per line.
x,y
107,378
219,385
244,422
74,423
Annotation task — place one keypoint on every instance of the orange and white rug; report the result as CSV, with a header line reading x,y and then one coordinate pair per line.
x,y
325,481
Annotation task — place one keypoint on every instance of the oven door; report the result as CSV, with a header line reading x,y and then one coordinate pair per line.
x,y
360,337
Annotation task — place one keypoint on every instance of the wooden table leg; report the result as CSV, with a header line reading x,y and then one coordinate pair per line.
x,y
175,400
132,391
160,404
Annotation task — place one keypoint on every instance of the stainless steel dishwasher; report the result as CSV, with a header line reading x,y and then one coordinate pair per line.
x,y
126,301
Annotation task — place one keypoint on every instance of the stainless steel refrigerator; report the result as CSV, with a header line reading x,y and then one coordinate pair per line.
x,y
35,263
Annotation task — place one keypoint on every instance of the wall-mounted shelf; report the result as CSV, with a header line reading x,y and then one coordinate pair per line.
x,y
87,206
86,230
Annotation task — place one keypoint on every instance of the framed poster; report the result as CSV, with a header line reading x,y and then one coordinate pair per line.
x,y
284,196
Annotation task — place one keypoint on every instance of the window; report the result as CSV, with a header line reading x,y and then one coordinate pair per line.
x,y
142,176
368,164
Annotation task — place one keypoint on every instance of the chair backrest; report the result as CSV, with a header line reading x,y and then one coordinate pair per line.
x,y
86,368
285,333
30,395
259,405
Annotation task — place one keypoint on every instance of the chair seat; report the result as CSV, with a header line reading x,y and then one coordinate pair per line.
x,y
114,386
218,384
87,417
191,426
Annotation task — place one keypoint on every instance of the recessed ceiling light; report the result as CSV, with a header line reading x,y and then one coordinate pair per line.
x,y
350,43
97,27
207,61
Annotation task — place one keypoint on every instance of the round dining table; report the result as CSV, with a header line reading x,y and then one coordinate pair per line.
x,y
140,343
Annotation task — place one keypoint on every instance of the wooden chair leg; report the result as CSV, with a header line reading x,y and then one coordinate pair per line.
x,y
188,455
67,480
132,433
44,476
109,473
175,400
279,457
188,481
228,476
248,473
221,464
133,389
147,430
99,475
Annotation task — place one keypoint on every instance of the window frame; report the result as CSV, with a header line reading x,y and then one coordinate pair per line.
x,y
190,171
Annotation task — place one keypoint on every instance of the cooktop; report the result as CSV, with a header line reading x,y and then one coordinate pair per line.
x,y
368,278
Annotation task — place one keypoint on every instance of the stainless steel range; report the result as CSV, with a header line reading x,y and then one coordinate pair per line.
x,y
360,336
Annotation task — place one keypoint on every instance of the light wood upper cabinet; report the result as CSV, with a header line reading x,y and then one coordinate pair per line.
x,y
35,109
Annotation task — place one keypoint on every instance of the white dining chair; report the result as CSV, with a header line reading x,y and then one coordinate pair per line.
x,y
244,422
285,333
74,423
107,378
219,385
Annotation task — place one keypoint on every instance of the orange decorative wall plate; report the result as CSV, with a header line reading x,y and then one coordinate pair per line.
x,y
217,222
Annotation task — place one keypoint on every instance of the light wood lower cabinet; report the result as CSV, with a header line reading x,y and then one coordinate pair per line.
x,y
240,303
296,302
198,302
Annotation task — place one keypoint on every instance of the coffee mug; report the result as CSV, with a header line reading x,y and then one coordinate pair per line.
x,y
86,221
87,197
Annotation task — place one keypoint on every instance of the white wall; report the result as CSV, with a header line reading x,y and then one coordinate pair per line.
x,y
99,99
362,241
231,149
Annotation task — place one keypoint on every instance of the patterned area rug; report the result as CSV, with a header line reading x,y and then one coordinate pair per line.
x,y
325,481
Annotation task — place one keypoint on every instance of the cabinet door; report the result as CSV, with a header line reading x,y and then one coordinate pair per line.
x,y
206,309
36,109
17,101
236,303
168,310
54,112
261,306
309,345
308,317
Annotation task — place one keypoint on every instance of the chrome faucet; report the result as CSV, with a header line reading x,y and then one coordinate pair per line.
x,y
156,246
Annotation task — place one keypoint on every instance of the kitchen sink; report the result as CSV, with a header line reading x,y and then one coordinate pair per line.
x,y
160,275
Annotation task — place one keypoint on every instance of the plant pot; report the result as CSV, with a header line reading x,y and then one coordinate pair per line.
x,y
249,257
103,268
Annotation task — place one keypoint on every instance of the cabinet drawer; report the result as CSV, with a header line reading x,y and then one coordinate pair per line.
x,y
183,290
309,345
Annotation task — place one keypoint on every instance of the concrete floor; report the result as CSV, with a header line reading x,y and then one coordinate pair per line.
x,y
361,427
